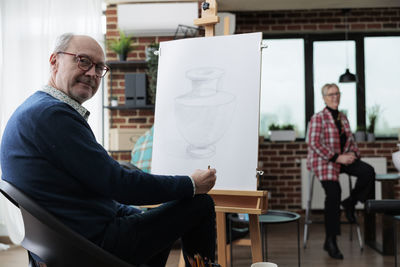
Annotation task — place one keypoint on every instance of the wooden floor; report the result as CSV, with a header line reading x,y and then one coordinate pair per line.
x,y
282,250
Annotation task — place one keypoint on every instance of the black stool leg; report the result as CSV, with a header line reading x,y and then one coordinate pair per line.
x,y
350,225
298,242
360,242
395,241
230,239
307,220
266,241
262,240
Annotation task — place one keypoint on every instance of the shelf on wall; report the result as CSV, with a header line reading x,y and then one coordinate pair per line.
x,y
116,64
121,107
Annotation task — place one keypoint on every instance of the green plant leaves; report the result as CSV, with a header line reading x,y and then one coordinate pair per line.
x,y
277,127
121,46
152,68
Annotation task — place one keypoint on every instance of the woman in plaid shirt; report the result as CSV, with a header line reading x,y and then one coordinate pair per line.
x,y
332,150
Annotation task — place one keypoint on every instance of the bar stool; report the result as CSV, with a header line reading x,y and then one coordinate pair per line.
x,y
308,221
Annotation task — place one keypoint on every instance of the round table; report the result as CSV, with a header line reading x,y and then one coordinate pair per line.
x,y
277,217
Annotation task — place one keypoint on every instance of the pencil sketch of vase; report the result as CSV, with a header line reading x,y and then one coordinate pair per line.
x,y
204,114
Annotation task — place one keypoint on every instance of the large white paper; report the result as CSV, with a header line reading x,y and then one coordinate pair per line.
x,y
207,108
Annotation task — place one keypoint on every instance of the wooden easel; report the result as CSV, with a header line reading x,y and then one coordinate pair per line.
x,y
208,17
253,203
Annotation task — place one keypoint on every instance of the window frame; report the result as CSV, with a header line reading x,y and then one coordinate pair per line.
x,y
309,39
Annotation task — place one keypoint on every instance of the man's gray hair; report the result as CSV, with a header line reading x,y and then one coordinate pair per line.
x,y
325,88
62,42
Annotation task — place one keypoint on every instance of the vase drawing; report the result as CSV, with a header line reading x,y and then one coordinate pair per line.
x,y
204,114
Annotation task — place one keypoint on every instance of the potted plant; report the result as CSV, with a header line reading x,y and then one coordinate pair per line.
x,y
373,113
359,135
152,68
121,46
283,132
114,101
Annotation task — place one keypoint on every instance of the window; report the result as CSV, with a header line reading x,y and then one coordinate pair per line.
x,y
382,80
330,61
296,66
282,85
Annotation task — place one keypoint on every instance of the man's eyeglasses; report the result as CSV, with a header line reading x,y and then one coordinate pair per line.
x,y
85,63
333,94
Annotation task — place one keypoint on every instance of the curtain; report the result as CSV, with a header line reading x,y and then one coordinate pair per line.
x,y
28,30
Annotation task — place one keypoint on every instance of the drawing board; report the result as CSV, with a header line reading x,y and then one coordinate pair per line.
x,y
207,108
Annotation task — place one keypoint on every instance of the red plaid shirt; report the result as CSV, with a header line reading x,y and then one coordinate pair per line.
x,y
324,143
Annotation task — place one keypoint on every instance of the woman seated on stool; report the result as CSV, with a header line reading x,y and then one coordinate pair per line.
x,y
331,151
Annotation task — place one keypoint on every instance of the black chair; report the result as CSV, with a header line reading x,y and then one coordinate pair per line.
x,y
388,207
56,244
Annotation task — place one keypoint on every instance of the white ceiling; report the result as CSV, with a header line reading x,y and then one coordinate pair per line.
x,y
259,5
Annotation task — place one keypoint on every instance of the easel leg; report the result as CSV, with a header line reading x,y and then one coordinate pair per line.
x,y
210,30
255,237
181,262
221,239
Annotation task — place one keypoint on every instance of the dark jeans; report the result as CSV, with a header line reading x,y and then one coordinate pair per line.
x,y
147,238
364,189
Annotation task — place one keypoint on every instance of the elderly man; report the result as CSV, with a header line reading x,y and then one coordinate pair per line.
x,y
49,151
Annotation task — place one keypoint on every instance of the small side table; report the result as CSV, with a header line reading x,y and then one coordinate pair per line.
x,y
387,246
273,217
277,217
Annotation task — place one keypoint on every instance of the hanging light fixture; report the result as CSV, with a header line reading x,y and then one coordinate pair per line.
x,y
347,77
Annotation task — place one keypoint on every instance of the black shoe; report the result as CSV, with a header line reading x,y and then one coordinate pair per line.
x,y
349,210
331,247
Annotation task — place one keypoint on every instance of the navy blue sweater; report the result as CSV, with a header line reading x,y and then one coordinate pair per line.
x,y
49,151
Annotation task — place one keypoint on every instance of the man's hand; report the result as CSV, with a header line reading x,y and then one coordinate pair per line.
x,y
346,159
204,180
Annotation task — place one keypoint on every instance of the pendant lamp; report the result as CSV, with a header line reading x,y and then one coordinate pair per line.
x,y
347,77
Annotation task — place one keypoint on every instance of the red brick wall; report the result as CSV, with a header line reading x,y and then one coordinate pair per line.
x,y
319,21
123,118
282,171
